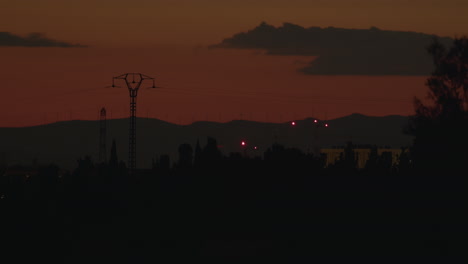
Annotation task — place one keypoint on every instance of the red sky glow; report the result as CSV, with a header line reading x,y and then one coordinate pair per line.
x,y
167,40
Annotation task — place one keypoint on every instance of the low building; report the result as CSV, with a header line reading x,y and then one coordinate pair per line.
x,y
362,155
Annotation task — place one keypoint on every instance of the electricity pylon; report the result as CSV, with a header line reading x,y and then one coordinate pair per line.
x,y
133,82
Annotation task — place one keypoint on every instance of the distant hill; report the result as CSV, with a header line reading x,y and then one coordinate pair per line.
x,y
63,143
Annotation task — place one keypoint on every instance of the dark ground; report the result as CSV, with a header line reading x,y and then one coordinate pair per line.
x,y
239,217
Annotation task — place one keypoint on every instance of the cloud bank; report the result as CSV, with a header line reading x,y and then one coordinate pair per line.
x,y
343,51
32,40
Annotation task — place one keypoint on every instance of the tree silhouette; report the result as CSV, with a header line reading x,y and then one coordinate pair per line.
x,y
404,162
197,154
210,156
348,159
372,162
440,127
185,156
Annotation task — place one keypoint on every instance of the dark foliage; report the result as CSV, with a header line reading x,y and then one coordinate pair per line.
x,y
440,127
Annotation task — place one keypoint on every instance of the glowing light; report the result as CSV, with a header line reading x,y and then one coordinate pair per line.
x,y
293,123
242,143
315,121
255,147
326,125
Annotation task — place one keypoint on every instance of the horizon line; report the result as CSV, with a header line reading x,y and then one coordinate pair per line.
x,y
207,121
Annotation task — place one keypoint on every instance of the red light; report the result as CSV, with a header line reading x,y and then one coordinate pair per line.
x,y
255,147
326,125
243,143
293,123
315,120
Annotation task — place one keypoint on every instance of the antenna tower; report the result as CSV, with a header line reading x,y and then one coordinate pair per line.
x,y
102,136
133,82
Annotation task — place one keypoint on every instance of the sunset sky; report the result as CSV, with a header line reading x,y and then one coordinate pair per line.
x,y
169,39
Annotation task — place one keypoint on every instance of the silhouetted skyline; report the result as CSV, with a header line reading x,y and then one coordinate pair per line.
x,y
66,141
357,155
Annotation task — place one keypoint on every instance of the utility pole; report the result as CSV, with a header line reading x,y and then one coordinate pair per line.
x,y
102,137
133,82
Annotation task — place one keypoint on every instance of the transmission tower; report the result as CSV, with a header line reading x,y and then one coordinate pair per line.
x,y
102,137
133,82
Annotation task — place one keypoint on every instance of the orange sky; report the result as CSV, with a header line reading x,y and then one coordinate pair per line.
x,y
165,39
197,84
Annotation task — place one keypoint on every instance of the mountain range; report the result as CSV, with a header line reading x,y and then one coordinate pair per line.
x,y
63,143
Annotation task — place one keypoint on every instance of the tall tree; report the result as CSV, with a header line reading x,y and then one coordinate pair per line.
x,y
440,126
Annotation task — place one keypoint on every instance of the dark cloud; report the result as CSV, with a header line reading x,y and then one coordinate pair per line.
x,y
343,51
32,40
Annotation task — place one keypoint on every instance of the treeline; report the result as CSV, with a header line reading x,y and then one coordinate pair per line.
x,y
284,205
280,158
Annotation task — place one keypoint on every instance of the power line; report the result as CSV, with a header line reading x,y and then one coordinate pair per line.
x,y
133,82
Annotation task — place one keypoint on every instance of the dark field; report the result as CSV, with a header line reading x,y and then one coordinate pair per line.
x,y
234,217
